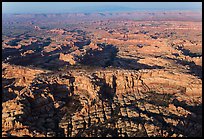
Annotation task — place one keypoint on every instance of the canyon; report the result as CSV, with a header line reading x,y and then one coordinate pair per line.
x,y
135,74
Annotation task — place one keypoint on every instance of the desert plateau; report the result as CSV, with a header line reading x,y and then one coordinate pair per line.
x,y
119,74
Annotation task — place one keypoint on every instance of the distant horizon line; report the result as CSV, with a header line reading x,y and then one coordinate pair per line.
x,y
122,11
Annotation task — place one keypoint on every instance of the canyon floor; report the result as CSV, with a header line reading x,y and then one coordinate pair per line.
x,y
136,74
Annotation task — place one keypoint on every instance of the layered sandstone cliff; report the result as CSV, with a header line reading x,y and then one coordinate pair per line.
x,y
105,103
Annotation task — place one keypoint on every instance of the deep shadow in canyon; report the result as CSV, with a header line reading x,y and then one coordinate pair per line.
x,y
93,59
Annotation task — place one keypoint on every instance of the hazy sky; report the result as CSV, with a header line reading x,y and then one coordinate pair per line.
x,y
66,7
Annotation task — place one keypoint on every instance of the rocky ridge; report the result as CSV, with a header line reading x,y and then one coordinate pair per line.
x,y
105,103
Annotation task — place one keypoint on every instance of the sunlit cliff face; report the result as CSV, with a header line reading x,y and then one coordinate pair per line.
x,y
102,75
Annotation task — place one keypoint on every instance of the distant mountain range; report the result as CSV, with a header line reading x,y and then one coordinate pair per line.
x,y
187,15
91,8
116,8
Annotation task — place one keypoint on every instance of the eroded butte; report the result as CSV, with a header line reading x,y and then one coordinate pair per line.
x,y
136,74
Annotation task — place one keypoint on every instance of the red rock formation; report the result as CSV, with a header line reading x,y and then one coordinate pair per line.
x,y
67,58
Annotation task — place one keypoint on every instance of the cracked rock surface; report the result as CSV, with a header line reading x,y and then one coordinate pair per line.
x,y
103,103
127,74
